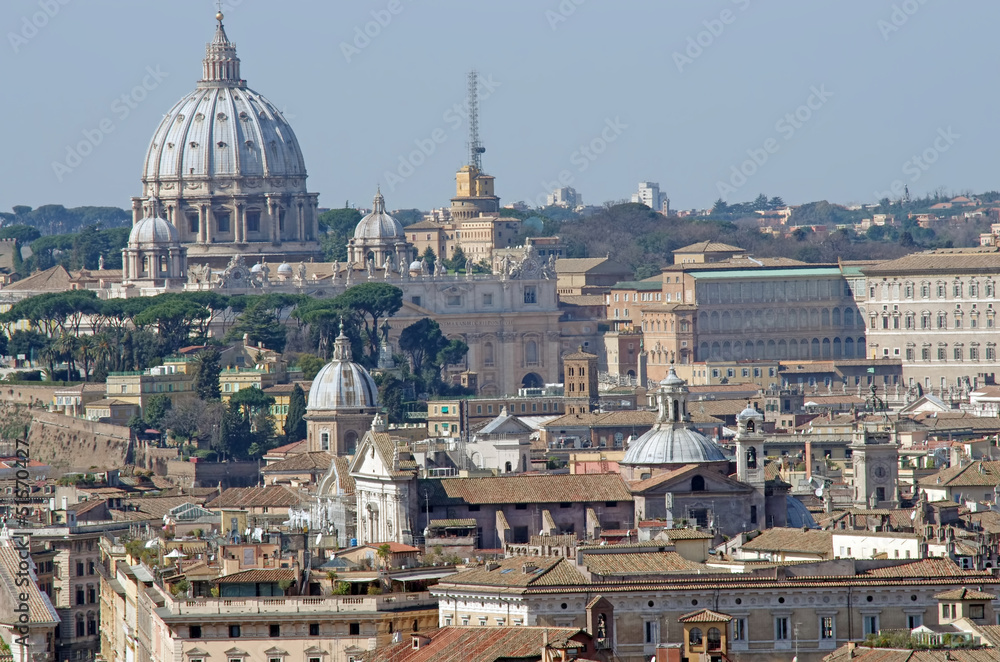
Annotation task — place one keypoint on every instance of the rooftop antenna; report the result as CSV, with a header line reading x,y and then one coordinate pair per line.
x,y
476,148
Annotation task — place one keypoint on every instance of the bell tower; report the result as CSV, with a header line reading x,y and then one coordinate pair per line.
x,y
750,461
875,459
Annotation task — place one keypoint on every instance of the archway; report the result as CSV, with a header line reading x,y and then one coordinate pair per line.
x,y
531,380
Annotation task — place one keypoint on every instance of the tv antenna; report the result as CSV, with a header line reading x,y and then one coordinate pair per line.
x,y
476,148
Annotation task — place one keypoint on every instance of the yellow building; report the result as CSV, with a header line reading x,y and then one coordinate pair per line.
x,y
474,194
139,387
282,394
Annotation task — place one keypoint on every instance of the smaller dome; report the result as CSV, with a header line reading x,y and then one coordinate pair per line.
x,y
153,231
378,224
747,413
672,379
255,269
341,383
665,444
416,265
284,269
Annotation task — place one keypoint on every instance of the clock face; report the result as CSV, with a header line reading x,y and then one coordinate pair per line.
x,y
880,473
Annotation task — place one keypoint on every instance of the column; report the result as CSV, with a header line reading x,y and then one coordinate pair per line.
x,y
209,218
301,223
272,218
202,219
136,210
239,229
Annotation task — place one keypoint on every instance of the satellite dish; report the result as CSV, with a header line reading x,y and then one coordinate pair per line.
x,y
819,492
913,515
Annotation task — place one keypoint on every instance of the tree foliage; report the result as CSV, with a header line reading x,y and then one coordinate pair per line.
x,y
295,424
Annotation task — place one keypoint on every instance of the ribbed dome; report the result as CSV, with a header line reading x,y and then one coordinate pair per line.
x,y
672,379
378,224
666,444
156,231
223,128
342,383
798,515
284,269
749,413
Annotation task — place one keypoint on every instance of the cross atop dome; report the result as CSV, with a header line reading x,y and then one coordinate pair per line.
x,y
221,64
378,206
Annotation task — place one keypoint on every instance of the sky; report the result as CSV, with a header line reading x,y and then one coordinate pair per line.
x,y
846,100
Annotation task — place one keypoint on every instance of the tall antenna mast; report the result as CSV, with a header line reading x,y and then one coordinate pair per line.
x,y
476,148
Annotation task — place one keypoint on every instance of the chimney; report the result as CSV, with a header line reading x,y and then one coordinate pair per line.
x,y
528,568
809,460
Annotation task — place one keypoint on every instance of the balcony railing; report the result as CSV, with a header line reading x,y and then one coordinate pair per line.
x,y
300,604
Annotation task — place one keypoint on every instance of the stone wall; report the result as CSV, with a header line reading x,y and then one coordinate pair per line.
x,y
75,444
27,394
211,474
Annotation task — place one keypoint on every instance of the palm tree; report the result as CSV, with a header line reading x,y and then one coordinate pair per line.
x,y
105,351
67,345
85,350
49,354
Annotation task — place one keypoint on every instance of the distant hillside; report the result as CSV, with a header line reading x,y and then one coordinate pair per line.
x,y
56,219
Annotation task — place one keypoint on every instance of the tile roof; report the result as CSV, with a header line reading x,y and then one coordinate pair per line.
x,y
980,473
921,568
863,654
255,497
779,539
980,259
965,594
56,279
308,461
565,540
489,644
454,523
709,247
643,563
294,447
40,609
157,507
528,488
582,299
511,573
259,576
705,616
395,547
572,265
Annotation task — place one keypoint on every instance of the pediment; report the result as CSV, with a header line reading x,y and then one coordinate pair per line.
x,y
197,652
275,651
315,650
236,652
679,483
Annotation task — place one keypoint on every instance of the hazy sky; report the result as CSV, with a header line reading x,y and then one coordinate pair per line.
x,y
604,93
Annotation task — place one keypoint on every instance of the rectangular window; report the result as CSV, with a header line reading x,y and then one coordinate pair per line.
x,y
941,354
753,514
415,300
651,632
957,353
977,611
487,299
454,300
739,629
234,631
826,627
871,624
354,629
781,628
274,630
314,629
914,621
530,295
253,221
193,222
222,221
973,353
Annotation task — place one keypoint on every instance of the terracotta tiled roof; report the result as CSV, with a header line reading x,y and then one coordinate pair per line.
x,y
491,644
981,259
979,473
40,610
780,539
156,507
395,547
705,616
529,488
567,540
709,247
648,563
259,576
522,572
309,461
56,279
965,594
255,497
454,523
294,447
582,299
862,654
921,568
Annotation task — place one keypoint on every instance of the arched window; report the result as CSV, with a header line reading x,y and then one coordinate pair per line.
x,y
324,441
350,442
676,413
163,264
698,484
848,317
714,639
488,359
836,316
507,468
531,352
694,637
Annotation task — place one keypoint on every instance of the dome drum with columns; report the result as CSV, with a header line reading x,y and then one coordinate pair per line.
x,y
342,403
228,169
379,238
154,258
672,442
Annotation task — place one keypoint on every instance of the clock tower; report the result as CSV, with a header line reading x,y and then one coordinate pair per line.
x,y
875,456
